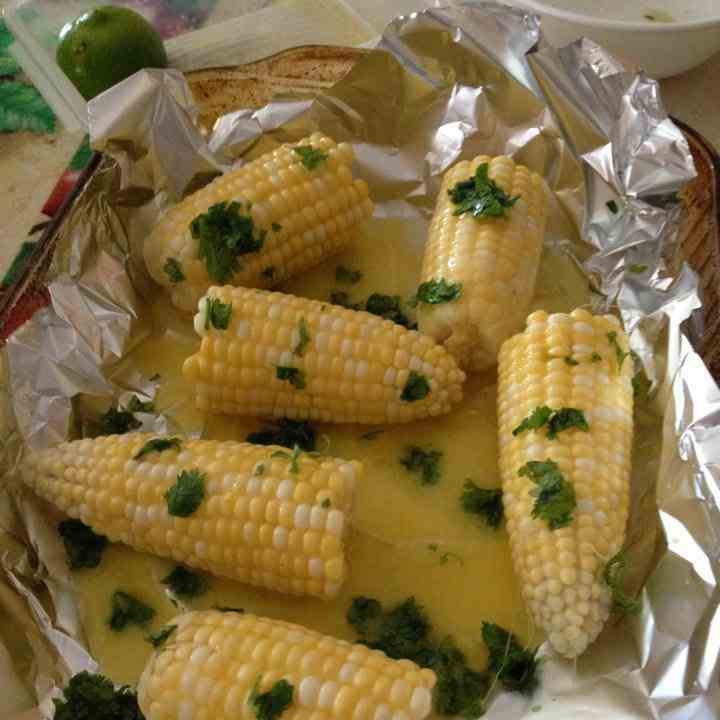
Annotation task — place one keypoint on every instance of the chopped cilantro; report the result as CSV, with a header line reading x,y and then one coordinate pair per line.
x,y
118,422
217,314
425,464
416,388
612,206
184,583
637,268
556,421
293,458
347,276
273,703
326,503
137,405
446,556
388,307
371,435
303,338
173,270
127,610
224,234
268,273
158,445
484,502
434,292
596,357
460,691
620,354
514,666
294,376
276,227
641,385
259,470
157,639
93,697
570,360
155,377
480,195
185,496
287,433
537,418
554,495
341,298
614,577
84,547
310,157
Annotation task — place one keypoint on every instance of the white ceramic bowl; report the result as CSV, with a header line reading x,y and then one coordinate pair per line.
x,y
662,49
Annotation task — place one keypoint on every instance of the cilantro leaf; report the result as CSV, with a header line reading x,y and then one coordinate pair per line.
x,y
537,418
224,234
514,666
157,639
347,276
118,422
158,445
484,502
217,314
480,195
341,298
596,357
295,376
460,691
185,496
326,503
426,464
268,273
416,388
620,354
273,703
614,577
93,697
276,227
127,610
554,495
287,433
173,270
293,458
388,307
362,612
185,583
556,421
303,338
570,360
434,292
84,547
612,206
310,157
137,405
637,268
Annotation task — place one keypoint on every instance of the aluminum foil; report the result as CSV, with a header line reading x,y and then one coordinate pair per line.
x,y
444,83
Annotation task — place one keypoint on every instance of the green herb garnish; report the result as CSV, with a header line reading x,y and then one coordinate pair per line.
x,y
614,577
341,298
388,307
434,292
268,273
347,276
637,268
158,445
554,495
596,357
537,419
224,234
620,354
556,421
157,639
217,314
137,405
273,703
276,227
612,206
303,338
287,433
416,388
425,464
293,458
371,435
128,610
326,503
310,157
480,195
570,360
83,546
295,376
446,557
484,502
514,666
185,496
184,583
118,422
173,270
93,697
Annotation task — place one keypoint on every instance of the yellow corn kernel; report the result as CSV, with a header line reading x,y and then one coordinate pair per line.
x,y
229,533
213,662
495,259
567,360
406,375
305,216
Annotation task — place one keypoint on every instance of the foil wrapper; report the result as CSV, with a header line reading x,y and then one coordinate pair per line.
x,y
443,83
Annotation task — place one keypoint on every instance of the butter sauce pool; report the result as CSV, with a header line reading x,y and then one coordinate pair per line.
x,y
654,11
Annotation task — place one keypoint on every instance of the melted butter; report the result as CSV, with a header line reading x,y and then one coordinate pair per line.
x,y
468,578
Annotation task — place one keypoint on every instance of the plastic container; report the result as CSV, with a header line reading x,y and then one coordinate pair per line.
x,y
197,33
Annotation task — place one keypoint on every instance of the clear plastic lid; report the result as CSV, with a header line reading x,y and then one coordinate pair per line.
x,y
197,33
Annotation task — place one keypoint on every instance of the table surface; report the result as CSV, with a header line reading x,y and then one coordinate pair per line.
x,y
31,163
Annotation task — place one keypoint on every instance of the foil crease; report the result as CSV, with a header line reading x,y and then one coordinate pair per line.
x,y
445,82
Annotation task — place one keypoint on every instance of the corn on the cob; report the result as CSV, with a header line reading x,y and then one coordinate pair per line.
x,y
292,357
266,517
494,260
213,663
567,361
303,213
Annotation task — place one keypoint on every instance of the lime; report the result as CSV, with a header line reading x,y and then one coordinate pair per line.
x,y
106,45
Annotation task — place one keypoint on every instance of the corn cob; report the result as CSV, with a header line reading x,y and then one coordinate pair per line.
x,y
302,213
567,361
268,517
213,664
288,356
494,260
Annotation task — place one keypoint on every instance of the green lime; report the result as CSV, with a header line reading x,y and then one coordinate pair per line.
x,y
106,45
